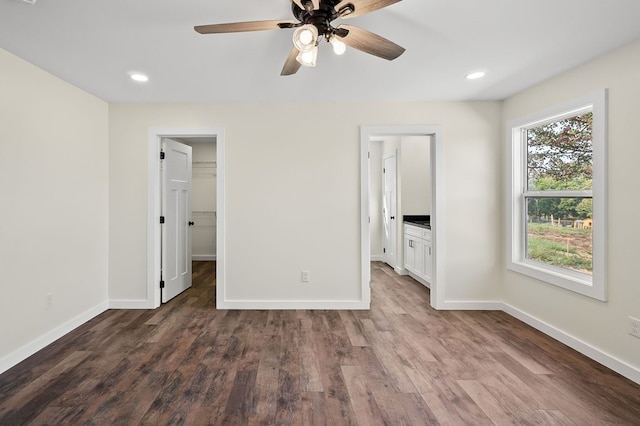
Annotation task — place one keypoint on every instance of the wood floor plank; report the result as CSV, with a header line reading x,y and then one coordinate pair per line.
x,y
512,377
267,378
354,329
555,418
313,409
415,410
480,325
241,402
133,410
54,416
460,407
30,401
399,363
384,362
289,407
310,369
362,400
487,402
409,350
162,407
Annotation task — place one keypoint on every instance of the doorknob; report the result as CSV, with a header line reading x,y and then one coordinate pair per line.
x,y
393,218
191,223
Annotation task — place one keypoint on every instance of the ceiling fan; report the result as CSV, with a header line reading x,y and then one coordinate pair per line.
x,y
314,22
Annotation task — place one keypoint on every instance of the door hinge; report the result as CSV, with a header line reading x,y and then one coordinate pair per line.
x,y
161,284
384,250
161,219
162,155
384,170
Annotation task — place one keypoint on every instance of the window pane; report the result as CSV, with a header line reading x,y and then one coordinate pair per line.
x,y
559,232
560,154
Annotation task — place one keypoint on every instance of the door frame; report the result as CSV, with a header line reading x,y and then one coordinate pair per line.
x,y
438,228
154,140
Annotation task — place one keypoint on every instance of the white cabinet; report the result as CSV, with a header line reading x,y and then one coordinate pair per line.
x,y
418,253
414,255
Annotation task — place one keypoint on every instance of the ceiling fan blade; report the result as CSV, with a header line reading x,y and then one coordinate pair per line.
x,y
364,6
371,43
291,65
236,27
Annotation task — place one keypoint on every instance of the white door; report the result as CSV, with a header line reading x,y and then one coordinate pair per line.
x,y
389,213
176,210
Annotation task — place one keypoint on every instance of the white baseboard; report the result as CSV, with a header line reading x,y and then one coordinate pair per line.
x,y
400,271
293,304
19,355
584,348
130,304
203,257
377,258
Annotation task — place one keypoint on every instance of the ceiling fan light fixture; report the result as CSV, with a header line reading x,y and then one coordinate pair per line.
x,y
338,46
308,58
305,37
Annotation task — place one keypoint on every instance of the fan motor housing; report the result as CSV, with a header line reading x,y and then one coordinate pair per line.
x,y
321,18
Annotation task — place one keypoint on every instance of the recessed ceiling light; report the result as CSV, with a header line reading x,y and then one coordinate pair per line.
x,y
475,75
138,77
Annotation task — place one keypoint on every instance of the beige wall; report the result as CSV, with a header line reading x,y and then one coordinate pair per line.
x,y
54,214
375,199
293,194
602,325
415,170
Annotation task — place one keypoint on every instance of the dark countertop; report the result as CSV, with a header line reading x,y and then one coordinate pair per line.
x,y
423,221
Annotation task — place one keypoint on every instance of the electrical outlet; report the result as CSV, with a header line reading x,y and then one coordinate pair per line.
x,y
305,277
48,301
634,328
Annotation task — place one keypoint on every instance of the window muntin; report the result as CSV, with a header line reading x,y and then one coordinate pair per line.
x,y
556,218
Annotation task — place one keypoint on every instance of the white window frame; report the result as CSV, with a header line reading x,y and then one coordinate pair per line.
x,y
594,285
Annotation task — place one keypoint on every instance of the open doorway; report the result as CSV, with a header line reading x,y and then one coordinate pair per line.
x,y
400,187
203,197
432,134
190,136
203,218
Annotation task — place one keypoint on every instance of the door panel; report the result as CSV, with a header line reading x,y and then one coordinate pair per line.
x,y
389,216
176,209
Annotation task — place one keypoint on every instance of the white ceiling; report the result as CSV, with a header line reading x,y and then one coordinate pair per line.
x,y
93,44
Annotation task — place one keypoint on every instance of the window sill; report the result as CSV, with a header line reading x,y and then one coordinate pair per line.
x,y
569,280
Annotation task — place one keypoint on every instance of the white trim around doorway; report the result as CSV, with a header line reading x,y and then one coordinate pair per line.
x,y
155,136
367,133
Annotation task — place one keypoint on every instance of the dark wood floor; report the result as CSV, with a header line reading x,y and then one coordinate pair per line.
x,y
400,363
